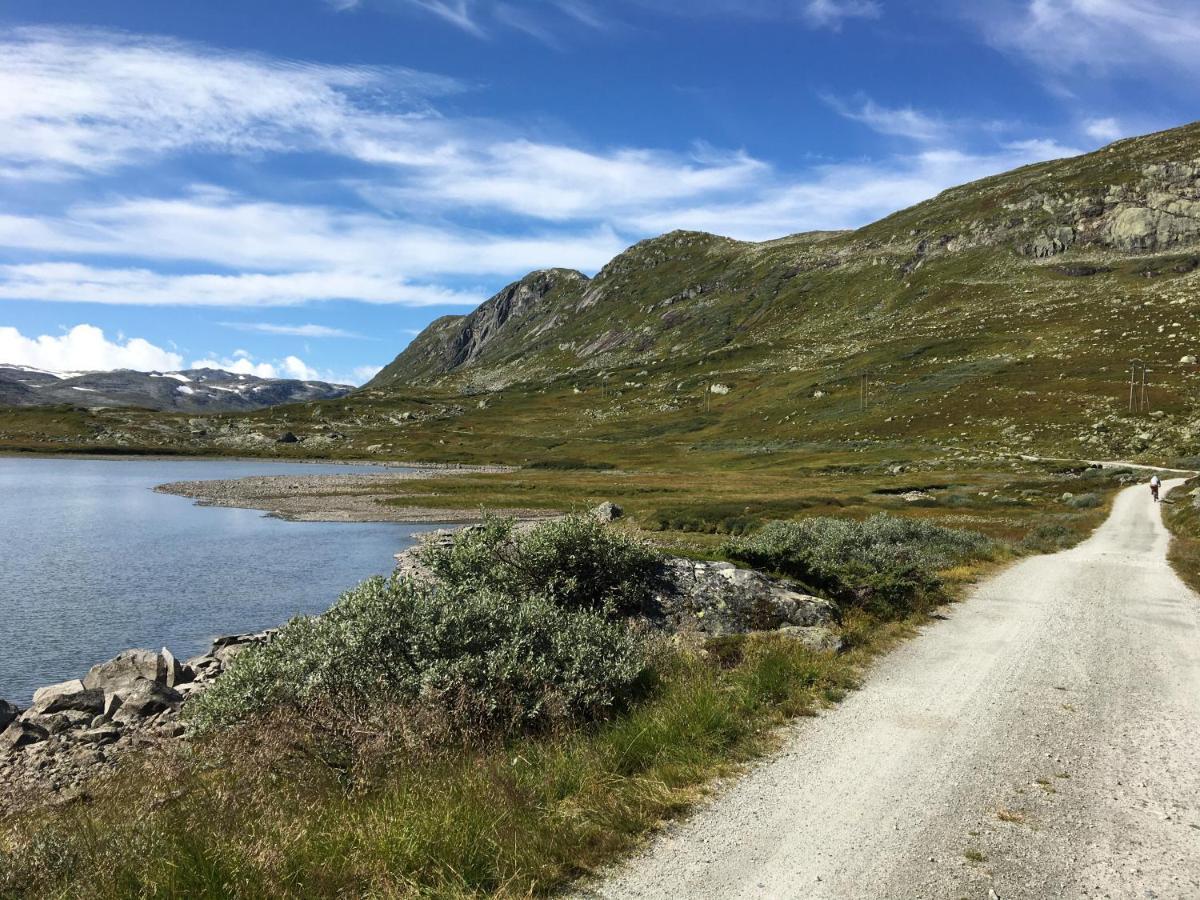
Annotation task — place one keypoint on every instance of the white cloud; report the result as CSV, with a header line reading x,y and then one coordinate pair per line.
x,y
847,195
308,330
814,13
831,13
1105,130
1090,37
83,348
559,183
903,121
458,13
76,101
363,374
79,283
94,100
242,363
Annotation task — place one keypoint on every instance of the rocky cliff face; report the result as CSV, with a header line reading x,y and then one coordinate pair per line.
x,y
457,342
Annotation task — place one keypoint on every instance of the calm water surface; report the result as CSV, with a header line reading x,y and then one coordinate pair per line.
x,y
92,562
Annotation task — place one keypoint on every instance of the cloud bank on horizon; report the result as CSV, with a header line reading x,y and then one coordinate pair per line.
x,y
157,181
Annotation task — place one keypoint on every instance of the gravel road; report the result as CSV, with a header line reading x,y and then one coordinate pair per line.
x,y
1041,742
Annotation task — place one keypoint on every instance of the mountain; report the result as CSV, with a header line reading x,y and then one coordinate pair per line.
x,y
193,390
1000,317
1006,311
1100,218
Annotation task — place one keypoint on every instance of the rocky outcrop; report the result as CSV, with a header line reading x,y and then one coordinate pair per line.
x,y
8,712
80,727
457,342
608,512
718,598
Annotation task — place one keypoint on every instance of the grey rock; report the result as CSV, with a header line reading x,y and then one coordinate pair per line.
x,y
176,673
105,734
8,712
719,598
146,698
120,672
21,734
608,512
73,694
112,703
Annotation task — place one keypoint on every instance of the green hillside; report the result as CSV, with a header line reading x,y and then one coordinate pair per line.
x,y
999,317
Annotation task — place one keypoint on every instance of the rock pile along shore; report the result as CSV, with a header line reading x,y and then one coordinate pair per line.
x,y
80,727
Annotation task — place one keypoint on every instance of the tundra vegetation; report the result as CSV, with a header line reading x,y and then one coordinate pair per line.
x,y
500,726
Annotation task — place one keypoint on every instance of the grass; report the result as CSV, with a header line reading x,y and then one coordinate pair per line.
x,y
1182,517
269,811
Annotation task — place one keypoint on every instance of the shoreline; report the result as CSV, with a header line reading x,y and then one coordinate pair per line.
x,y
220,457
340,498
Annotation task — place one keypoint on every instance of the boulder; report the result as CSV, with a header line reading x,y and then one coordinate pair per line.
x,y
175,672
719,598
105,734
57,723
21,734
73,695
120,672
146,698
608,512
8,712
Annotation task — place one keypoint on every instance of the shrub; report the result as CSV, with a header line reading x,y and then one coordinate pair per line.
x,y
499,662
576,562
1048,538
886,565
1084,501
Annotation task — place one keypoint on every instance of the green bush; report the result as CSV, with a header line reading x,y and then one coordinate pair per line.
x,y
1084,501
576,562
886,565
486,659
1048,538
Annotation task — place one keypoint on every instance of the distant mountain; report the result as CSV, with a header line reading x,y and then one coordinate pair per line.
x,y
193,390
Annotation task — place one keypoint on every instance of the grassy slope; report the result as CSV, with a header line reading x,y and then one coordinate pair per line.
x,y
1183,519
968,342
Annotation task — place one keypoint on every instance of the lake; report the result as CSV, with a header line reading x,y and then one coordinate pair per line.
x,y
93,562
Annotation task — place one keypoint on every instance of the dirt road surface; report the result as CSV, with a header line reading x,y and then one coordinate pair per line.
x,y
1041,742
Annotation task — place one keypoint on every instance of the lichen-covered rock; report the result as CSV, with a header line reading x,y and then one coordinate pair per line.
x,y
608,512
719,598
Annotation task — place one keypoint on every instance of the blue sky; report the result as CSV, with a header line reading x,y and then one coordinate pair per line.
x,y
296,187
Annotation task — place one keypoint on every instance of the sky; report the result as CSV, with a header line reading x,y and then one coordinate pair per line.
x,y
295,188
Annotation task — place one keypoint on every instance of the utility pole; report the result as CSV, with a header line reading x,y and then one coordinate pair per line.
x,y
1143,406
864,385
1133,370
